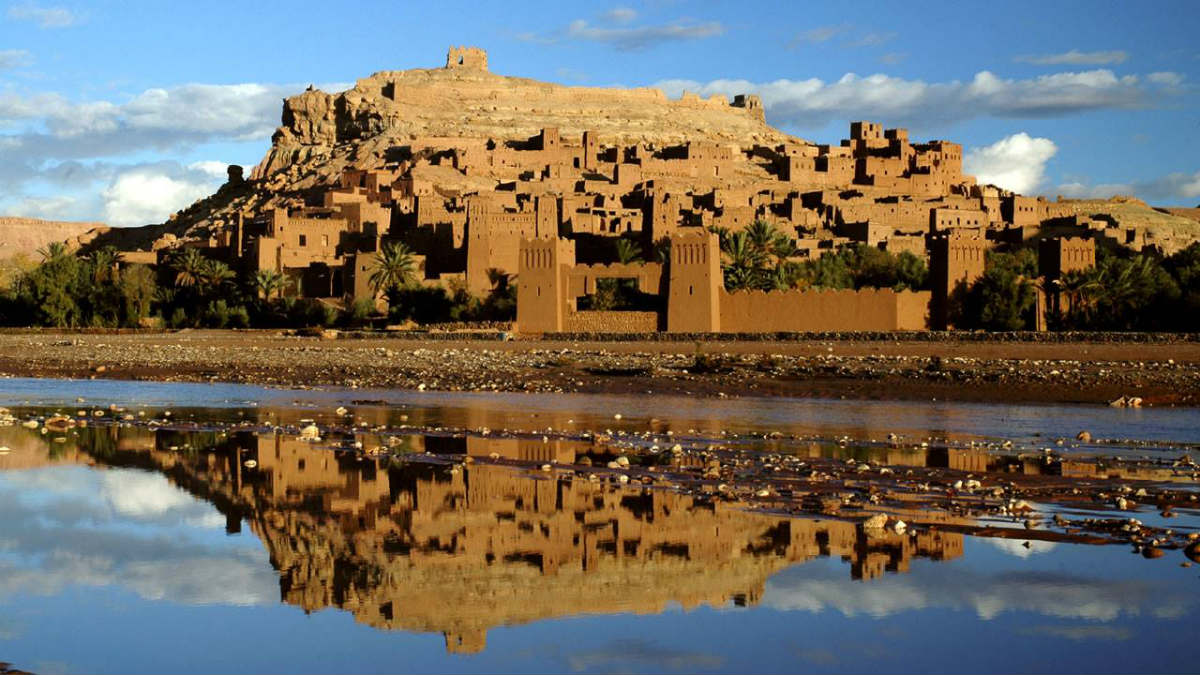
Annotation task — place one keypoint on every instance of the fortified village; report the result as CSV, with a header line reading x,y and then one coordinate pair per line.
x,y
492,180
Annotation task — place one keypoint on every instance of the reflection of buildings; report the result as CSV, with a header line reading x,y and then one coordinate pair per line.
x,y
427,548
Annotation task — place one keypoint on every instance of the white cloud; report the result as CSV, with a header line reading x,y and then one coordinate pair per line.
x,y
1078,190
151,194
44,17
613,30
820,34
814,103
50,143
1077,58
14,58
59,207
872,39
1166,78
1016,163
620,15
1172,188
212,168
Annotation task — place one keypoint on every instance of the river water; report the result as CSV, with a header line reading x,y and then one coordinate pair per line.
x,y
216,539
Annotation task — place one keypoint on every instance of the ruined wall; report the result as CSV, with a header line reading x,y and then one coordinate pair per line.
x,y
611,322
582,278
823,310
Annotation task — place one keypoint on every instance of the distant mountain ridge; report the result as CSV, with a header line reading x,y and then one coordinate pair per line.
x,y
26,236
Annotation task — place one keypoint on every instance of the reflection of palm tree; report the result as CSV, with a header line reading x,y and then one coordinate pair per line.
x,y
393,268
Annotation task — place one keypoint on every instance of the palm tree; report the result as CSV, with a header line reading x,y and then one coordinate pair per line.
x,y
1080,291
53,251
762,235
662,250
628,252
189,268
498,279
394,268
267,283
104,264
215,274
743,262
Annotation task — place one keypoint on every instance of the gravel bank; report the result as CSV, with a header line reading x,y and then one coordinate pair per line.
x,y
1161,372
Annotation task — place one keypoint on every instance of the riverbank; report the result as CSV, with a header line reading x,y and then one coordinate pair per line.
x,y
870,367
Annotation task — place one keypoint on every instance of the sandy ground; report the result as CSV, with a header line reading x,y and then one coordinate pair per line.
x,y
1083,371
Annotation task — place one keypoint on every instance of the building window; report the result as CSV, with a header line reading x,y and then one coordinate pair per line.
x,y
303,240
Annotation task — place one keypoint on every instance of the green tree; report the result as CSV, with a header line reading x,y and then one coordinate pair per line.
x,y
138,288
1000,300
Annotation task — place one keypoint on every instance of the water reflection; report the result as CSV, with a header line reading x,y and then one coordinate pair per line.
x,y
497,558
435,547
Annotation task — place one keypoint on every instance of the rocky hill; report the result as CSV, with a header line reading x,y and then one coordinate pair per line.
x,y
321,133
25,236
391,114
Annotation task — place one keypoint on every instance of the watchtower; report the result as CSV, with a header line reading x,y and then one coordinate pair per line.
x,y
467,58
542,289
694,303
752,103
956,260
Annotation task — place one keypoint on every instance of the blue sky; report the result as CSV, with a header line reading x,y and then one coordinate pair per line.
x,y
125,112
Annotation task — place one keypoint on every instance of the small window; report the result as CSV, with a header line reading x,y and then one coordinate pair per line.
x,y
303,240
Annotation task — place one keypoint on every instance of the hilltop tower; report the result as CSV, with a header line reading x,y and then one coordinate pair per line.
x,y
467,58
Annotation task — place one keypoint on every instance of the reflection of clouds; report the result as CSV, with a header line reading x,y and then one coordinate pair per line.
x,y
813,589
88,529
10,629
1079,633
618,657
147,496
1019,548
